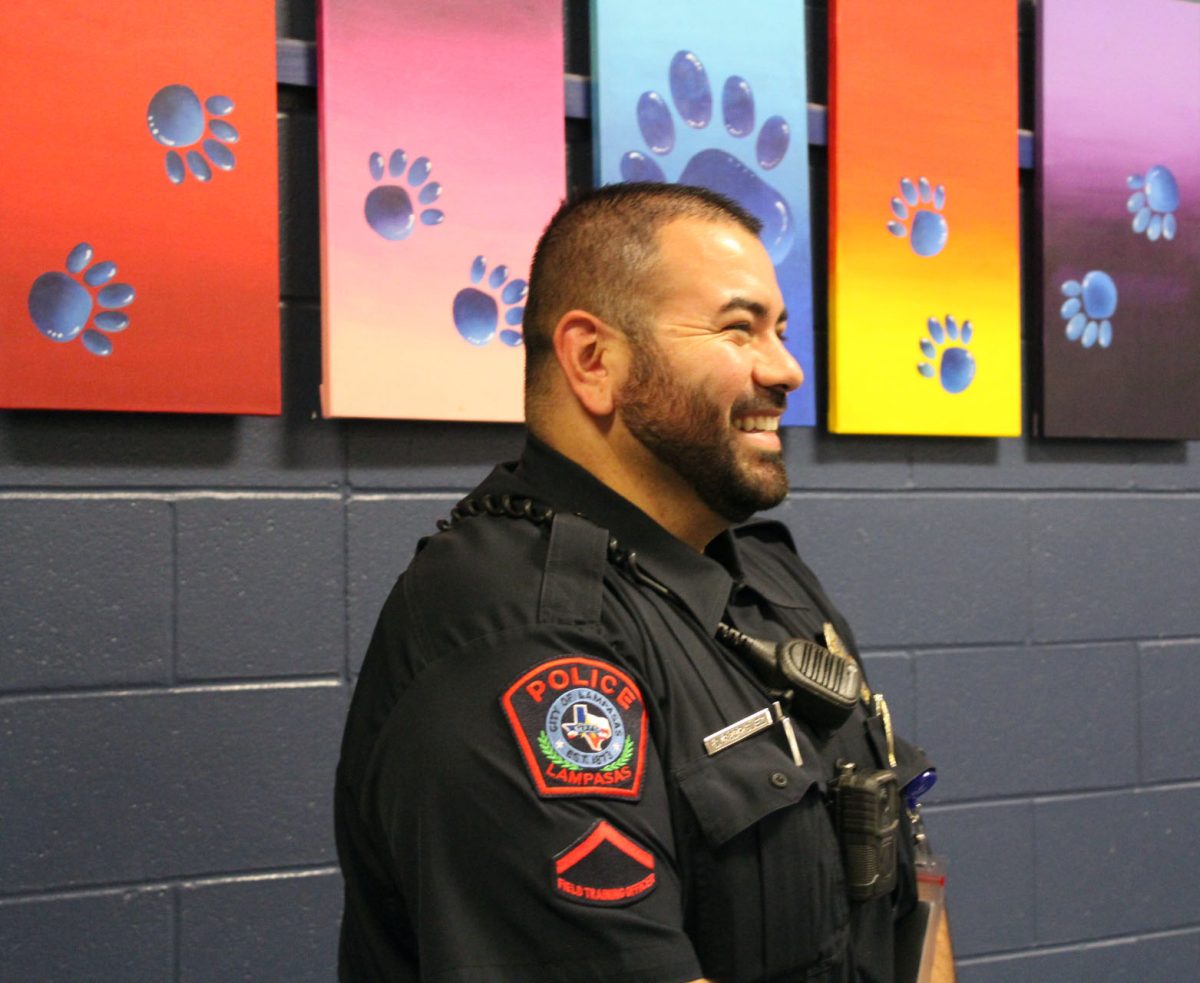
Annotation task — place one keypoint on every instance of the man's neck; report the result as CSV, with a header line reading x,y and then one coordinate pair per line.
x,y
626,466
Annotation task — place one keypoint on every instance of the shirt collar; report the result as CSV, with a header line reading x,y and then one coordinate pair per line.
x,y
700,581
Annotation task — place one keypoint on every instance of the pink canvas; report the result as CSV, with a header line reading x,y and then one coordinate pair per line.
x,y
425,252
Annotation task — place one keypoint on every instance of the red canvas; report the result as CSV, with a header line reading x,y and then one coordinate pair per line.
x,y
139,264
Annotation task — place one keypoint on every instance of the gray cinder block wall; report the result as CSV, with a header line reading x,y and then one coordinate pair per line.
x,y
184,602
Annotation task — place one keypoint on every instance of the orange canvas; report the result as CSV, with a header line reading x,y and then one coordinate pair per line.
x,y
924,245
139,266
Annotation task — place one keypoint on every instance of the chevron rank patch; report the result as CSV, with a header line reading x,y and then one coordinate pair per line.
x,y
580,725
604,867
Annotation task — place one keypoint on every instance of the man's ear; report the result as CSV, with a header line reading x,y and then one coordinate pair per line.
x,y
592,356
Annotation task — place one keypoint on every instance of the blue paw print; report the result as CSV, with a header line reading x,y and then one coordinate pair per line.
x,y
1153,202
1088,307
61,306
956,368
476,313
923,204
176,119
389,207
718,170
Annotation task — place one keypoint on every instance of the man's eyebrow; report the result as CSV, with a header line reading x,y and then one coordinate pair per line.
x,y
751,306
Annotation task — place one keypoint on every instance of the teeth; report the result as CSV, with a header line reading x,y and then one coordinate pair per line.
x,y
752,423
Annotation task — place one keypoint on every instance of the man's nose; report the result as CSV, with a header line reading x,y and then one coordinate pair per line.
x,y
777,368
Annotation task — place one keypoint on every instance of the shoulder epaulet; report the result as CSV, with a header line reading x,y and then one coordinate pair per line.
x,y
766,531
573,578
771,532
573,573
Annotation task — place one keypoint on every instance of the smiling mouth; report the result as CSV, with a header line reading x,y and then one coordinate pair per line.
x,y
757,424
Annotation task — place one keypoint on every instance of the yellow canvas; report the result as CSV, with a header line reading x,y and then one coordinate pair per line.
x,y
925,326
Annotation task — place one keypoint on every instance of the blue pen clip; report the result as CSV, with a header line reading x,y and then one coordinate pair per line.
x,y
918,787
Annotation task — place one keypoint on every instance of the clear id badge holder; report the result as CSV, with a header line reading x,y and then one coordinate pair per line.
x,y
917,933
931,892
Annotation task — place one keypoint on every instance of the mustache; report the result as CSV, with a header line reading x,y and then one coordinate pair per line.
x,y
765,402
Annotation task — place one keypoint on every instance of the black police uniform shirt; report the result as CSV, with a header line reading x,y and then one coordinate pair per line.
x,y
524,792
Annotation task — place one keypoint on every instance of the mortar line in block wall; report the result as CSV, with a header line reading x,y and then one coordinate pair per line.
x,y
173,673
1057,948
189,495
176,934
934,807
179,689
795,494
347,497
182,881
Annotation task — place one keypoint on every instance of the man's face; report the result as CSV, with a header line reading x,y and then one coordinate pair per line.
x,y
710,375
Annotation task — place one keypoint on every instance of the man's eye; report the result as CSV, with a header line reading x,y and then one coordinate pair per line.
x,y
740,326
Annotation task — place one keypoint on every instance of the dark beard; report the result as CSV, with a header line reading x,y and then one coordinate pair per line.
x,y
691,435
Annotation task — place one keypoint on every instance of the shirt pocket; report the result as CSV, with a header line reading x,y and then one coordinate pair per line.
x,y
767,892
735,788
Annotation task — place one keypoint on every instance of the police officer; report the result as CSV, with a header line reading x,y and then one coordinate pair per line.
x,y
568,757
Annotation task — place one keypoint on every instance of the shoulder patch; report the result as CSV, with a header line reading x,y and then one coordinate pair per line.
x,y
580,724
604,867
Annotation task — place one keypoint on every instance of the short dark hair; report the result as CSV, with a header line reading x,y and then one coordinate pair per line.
x,y
598,253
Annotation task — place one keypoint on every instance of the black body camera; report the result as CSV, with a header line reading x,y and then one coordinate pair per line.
x,y
868,821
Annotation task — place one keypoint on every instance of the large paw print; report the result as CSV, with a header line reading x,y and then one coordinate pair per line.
x,y
389,207
918,215
61,306
1153,202
176,119
476,313
1089,307
709,166
955,365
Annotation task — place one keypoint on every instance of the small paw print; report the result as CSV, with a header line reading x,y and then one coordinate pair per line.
x,y
389,207
956,365
176,119
710,167
476,313
61,306
1153,202
922,203
1089,306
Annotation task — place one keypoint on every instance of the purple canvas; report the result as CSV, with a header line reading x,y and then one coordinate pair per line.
x,y
1118,138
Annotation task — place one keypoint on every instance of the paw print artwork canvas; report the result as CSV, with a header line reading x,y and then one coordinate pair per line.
x,y
1119,188
686,93
139,269
924,292
441,129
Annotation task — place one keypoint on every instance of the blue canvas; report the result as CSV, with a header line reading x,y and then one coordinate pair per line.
x,y
695,93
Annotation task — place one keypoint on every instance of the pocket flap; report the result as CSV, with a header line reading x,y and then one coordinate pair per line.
x,y
735,788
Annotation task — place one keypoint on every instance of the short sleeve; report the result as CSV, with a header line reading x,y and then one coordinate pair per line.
x,y
526,816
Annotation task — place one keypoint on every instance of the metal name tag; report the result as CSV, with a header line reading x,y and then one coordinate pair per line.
x,y
739,731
